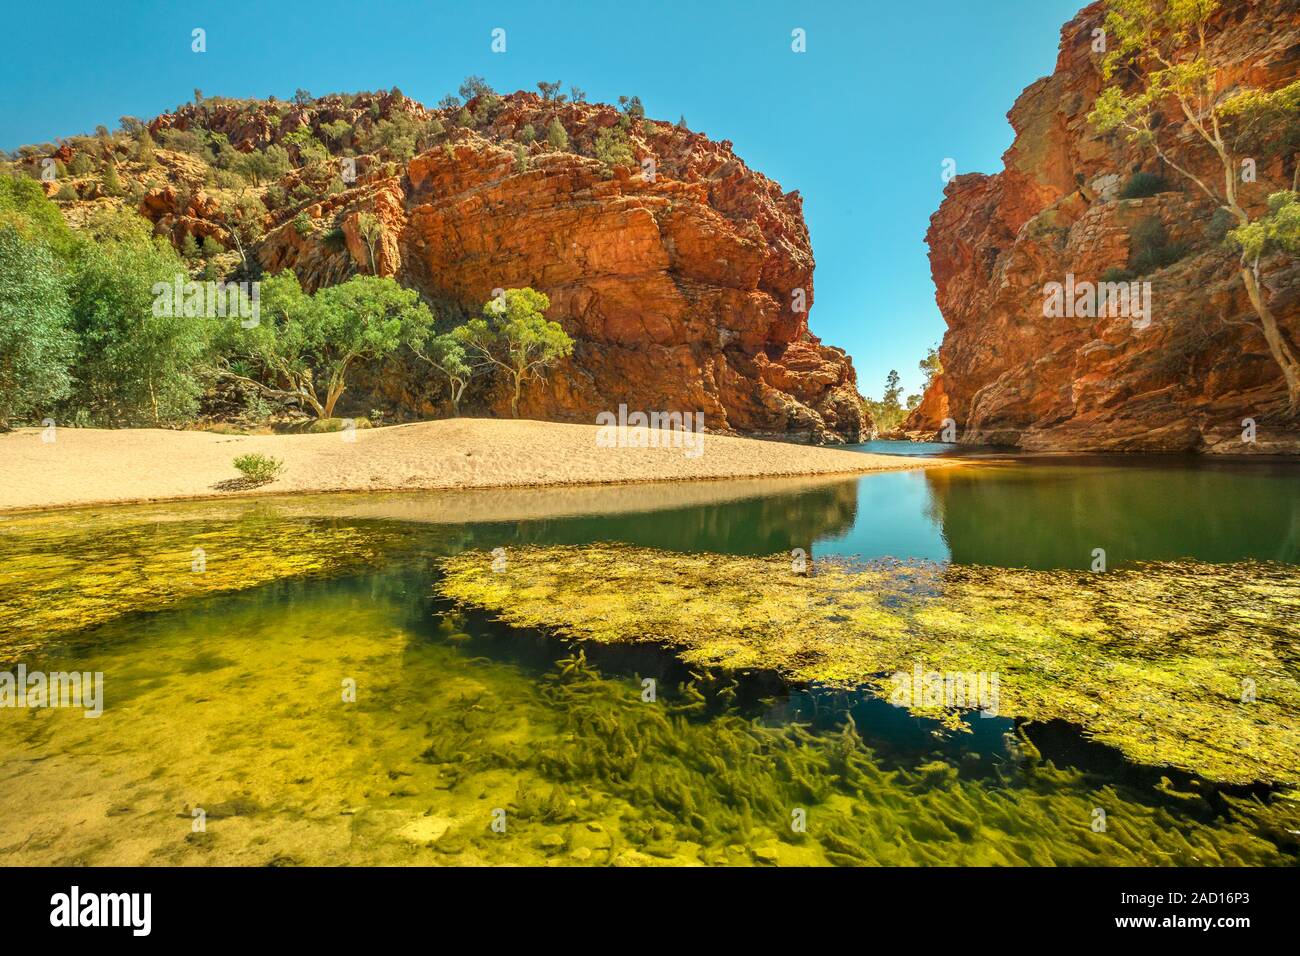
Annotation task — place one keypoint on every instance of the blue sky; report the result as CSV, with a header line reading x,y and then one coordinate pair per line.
x,y
860,124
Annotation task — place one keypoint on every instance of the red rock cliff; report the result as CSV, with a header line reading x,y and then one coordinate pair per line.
x,y
681,288
1186,381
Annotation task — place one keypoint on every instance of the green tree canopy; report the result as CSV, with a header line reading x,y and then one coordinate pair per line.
x,y
515,336
305,345
24,206
36,344
136,363
446,354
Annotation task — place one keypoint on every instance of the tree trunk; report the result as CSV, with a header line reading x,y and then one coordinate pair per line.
x,y
1277,343
514,400
330,400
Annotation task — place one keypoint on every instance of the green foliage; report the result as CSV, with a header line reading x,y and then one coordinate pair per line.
x,y
336,132
612,148
1150,249
930,366
302,224
25,207
243,216
371,229
1279,229
527,134
556,135
112,184
259,469
81,164
335,238
1265,124
144,149
264,165
888,413
36,344
66,193
515,336
189,247
474,86
304,346
399,136
310,150
446,354
1143,184
1220,224
134,366
182,140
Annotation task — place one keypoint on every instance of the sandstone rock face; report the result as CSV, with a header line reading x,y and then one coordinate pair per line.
x,y
685,278
1186,380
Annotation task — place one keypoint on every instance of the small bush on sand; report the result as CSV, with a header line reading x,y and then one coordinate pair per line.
x,y
259,468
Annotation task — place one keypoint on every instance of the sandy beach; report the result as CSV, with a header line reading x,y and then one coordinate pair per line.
x,y
85,466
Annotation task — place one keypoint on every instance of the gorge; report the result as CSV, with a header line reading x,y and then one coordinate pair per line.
x,y
1073,200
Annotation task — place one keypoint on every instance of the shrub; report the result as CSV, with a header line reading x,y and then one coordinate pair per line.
x,y
1150,248
1141,185
259,468
612,148
1117,274
336,239
556,134
1220,224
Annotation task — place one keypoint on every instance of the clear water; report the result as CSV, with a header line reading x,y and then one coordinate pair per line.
x,y
226,737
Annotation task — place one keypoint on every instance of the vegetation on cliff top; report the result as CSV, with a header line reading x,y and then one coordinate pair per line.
x,y
214,178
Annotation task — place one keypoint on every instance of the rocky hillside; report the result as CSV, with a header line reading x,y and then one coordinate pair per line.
x,y
1186,381
684,276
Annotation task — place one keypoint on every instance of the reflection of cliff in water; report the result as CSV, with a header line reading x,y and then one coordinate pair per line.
x,y
1049,513
758,525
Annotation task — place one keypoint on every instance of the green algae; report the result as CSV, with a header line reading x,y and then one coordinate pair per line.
x,y
232,704
60,580
1180,664
584,770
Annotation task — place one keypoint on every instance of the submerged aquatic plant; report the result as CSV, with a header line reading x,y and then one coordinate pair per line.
x,y
1185,664
60,580
234,705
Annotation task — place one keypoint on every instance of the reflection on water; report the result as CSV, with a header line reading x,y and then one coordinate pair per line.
x,y
1051,513
228,696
